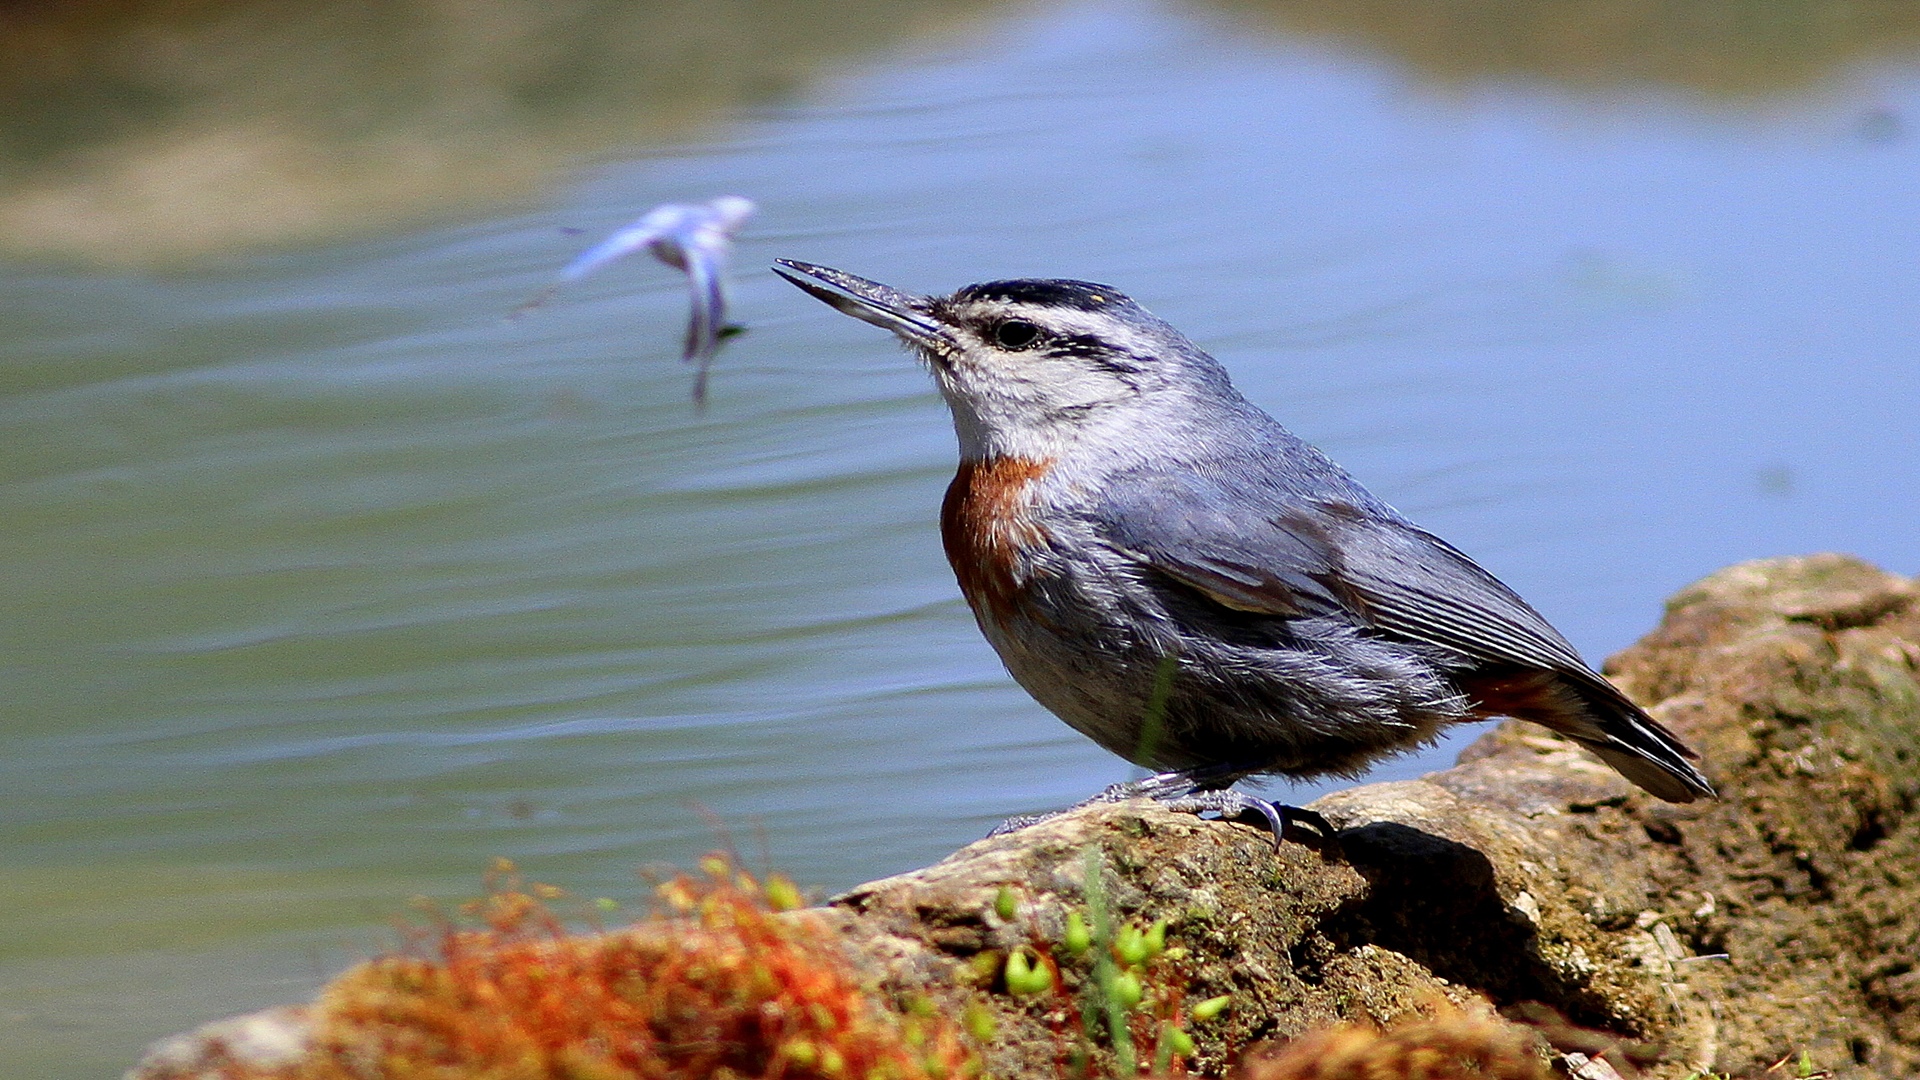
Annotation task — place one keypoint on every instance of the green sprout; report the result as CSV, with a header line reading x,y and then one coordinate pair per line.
x,y
1027,976
1106,974
1211,1008
1153,721
1078,938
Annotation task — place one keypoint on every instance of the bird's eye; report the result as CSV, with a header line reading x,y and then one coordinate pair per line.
x,y
1015,334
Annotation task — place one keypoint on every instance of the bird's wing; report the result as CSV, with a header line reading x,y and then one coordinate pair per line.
x,y
1291,557
1412,583
1285,556
1416,585
655,224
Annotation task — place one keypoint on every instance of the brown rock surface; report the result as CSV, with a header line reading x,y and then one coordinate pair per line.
x,y
1529,873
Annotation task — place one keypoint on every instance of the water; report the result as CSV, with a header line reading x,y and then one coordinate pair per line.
x,y
324,584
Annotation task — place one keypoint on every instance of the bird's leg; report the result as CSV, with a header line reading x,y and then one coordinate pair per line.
x,y
1207,789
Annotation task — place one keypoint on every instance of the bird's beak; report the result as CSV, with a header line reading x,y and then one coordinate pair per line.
x,y
903,313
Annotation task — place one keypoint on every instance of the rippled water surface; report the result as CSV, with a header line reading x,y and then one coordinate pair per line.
x,y
323,584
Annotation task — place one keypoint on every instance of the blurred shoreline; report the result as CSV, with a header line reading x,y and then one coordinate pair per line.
x,y
146,134
149,133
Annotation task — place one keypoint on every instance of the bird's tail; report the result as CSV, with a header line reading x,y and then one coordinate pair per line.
x,y
1595,714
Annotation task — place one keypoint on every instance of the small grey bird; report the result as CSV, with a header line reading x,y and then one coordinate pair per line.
x,y
1193,587
691,237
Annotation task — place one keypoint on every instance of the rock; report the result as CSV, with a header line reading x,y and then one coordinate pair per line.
x,y
257,1043
1783,917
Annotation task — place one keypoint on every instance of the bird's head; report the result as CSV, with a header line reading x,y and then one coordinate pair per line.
x,y
1033,366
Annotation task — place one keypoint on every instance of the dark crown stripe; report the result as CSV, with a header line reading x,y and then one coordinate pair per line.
x,y
1045,292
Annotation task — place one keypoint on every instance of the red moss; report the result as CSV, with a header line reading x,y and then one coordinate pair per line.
x,y
716,984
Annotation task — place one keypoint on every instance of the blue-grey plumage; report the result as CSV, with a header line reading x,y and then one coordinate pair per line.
x,y
1122,514
691,237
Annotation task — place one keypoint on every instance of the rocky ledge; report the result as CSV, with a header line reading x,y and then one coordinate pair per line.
x,y
1780,922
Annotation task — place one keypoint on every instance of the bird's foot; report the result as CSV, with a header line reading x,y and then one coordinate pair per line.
x,y
1196,792
1283,821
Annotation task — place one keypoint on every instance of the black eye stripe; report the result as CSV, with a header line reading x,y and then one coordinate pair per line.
x,y
1086,345
1090,347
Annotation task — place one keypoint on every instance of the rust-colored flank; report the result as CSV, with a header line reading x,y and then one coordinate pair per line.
x,y
985,526
1538,696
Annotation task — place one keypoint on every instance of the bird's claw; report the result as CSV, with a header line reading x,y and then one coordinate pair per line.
x,y
1190,793
1284,822
1015,824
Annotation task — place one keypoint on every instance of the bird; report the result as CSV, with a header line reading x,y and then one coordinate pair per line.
x,y
1180,578
691,237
